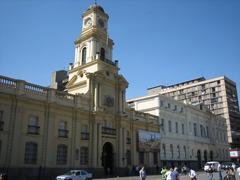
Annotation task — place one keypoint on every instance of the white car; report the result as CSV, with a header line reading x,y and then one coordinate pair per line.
x,y
75,175
213,165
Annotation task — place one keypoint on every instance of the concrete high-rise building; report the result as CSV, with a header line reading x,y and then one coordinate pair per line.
x,y
218,94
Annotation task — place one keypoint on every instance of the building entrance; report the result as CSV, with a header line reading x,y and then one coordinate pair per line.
x,y
107,158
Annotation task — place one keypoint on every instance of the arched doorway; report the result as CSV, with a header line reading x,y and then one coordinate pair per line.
x,y
107,158
199,159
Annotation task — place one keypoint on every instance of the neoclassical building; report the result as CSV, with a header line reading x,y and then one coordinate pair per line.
x,y
190,135
45,132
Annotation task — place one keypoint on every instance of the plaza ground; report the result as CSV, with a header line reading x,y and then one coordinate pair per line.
x,y
200,176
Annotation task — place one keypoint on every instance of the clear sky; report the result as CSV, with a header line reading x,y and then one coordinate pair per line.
x,y
156,41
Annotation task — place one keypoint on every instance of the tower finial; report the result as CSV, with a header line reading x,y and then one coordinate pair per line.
x,y
95,2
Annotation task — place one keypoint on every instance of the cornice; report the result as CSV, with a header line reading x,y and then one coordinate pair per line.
x,y
95,10
96,33
83,83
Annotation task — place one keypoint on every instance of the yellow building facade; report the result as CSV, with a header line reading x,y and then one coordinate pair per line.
x,y
45,132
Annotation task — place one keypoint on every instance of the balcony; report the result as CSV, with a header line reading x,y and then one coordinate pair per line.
x,y
84,136
1,125
33,129
63,133
108,131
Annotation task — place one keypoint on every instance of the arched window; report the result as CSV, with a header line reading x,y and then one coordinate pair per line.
x,y
84,55
30,153
102,54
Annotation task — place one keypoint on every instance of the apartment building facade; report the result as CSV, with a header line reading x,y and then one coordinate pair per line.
x,y
218,94
190,135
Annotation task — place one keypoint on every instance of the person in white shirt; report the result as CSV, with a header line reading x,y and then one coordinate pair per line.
x,y
169,174
142,174
238,172
192,175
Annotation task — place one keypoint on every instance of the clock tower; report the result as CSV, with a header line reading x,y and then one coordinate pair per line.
x,y
94,73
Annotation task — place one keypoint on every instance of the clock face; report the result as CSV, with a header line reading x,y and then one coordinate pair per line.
x,y
101,23
88,22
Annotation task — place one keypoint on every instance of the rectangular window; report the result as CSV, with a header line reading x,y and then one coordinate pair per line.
x,y
182,128
128,156
141,157
33,127
30,153
1,121
62,131
176,127
181,109
161,103
169,106
175,108
155,158
84,156
163,124
169,126
84,132
62,154
207,131
195,129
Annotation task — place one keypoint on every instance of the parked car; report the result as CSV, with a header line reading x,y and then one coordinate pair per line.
x,y
227,165
211,166
75,175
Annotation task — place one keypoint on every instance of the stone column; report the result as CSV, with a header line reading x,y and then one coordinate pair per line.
x,y
96,97
99,145
95,145
94,49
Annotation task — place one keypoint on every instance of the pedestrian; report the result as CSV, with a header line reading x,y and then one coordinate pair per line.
x,y
142,174
219,172
192,175
184,169
238,172
175,174
210,173
163,172
169,174
230,175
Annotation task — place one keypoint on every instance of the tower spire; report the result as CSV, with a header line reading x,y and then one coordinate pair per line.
x,y
95,2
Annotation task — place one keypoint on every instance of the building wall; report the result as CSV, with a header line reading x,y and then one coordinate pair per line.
x,y
182,118
20,102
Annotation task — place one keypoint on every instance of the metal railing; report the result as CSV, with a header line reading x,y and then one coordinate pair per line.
x,y
63,133
109,131
84,136
33,129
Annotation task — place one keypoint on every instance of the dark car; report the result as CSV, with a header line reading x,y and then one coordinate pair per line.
x,y
227,165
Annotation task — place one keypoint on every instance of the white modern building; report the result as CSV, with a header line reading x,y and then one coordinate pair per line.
x,y
190,134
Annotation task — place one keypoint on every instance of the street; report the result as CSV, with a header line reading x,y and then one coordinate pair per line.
x,y
200,176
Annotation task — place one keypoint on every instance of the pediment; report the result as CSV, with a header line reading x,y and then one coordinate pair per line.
x,y
71,82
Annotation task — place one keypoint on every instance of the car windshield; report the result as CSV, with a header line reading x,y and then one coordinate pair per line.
x,y
69,173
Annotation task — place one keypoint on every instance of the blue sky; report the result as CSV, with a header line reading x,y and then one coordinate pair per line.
x,y
156,41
